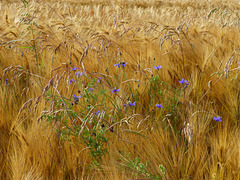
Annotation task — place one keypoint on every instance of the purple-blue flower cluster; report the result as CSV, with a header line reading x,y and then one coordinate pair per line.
x,y
99,80
98,112
76,98
130,104
123,64
184,82
218,118
90,89
71,81
159,105
115,90
157,67
74,68
79,73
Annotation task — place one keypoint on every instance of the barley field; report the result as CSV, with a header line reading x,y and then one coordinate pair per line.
x,y
115,89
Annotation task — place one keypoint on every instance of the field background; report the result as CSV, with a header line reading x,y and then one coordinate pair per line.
x,y
42,41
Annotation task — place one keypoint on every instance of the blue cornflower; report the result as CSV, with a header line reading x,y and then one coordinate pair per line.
x,y
123,64
218,118
186,84
71,81
115,90
132,104
118,65
6,81
99,79
184,81
74,68
79,73
159,105
157,67
90,89
76,98
98,112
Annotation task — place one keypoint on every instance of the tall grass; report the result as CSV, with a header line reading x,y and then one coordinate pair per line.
x,y
94,90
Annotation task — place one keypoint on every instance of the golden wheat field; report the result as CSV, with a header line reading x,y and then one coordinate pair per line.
x,y
115,89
